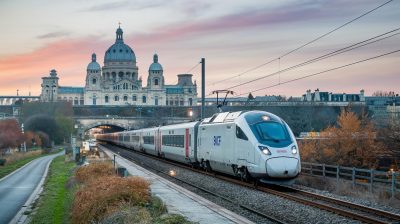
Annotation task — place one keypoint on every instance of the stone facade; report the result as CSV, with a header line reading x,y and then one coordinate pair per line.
x,y
118,82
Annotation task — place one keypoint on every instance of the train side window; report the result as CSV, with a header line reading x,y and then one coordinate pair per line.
x,y
240,134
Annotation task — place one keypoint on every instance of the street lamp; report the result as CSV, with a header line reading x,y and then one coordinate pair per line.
x,y
24,145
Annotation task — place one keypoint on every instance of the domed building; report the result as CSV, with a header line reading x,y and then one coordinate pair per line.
x,y
118,82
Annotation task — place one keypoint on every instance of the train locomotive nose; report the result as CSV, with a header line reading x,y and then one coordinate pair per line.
x,y
282,167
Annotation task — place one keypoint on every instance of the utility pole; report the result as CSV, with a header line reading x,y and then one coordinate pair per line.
x,y
203,86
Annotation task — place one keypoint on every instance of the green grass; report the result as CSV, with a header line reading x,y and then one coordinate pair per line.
x,y
9,168
55,203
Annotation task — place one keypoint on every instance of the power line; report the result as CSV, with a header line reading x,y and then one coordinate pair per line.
x,y
304,45
328,55
325,71
193,68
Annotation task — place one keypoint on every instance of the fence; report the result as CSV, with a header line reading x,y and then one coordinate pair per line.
x,y
370,178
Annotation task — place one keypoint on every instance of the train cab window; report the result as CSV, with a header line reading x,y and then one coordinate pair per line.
x,y
240,134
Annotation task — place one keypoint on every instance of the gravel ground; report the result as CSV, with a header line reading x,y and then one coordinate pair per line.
x,y
359,201
282,209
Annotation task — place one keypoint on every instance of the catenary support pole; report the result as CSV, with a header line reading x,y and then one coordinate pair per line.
x,y
203,87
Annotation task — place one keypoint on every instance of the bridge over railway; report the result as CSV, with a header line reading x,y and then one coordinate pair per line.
x,y
85,123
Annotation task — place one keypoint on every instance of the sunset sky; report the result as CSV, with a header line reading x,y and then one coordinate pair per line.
x,y
233,36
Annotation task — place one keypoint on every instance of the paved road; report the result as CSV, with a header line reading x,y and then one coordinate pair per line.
x,y
16,189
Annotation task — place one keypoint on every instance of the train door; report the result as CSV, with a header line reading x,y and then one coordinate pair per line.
x,y
157,139
187,139
204,145
244,149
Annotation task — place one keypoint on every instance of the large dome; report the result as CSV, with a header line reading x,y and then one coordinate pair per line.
x,y
155,66
119,52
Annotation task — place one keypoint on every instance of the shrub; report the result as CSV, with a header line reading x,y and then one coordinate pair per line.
x,y
2,162
103,196
94,171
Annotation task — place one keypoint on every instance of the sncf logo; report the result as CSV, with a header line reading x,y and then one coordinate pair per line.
x,y
217,140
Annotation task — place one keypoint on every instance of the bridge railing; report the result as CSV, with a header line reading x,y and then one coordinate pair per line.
x,y
389,181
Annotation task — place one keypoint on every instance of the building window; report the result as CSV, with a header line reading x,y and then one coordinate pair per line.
x,y
106,99
156,82
116,98
190,101
156,100
134,98
176,101
82,101
121,75
94,81
171,102
144,99
166,102
125,98
76,102
181,102
114,75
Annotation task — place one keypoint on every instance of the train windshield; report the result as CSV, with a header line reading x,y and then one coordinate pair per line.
x,y
271,131
274,134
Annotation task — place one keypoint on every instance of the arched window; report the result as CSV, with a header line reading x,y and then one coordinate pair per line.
x,y
134,98
76,102
121,75
81,101
156,82
94,81
106,99
144,99
125,98
116,98
181,102
114,75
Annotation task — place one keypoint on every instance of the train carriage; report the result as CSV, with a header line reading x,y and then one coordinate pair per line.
x,y
178,142
149,140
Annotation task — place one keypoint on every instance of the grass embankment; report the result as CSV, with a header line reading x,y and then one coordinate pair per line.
x,y
54,205
104,197
17,160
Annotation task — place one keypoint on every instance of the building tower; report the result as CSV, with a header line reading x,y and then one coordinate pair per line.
x,y
93,82
49,87
156,78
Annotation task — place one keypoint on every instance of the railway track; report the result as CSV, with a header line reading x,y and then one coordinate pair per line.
x,y
343,208
127,154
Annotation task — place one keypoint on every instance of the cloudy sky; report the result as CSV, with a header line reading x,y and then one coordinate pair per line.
x,y
233,36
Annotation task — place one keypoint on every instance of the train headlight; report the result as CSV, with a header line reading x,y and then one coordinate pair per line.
x,y
265,150
294,149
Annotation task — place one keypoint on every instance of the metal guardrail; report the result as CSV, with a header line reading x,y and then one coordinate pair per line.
x,y
370,178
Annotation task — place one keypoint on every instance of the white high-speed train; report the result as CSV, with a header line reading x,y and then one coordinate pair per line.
x,y
252,144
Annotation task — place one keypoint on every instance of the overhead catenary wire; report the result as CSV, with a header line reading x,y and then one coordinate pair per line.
x,y
193,68
351,47
322,72
303,45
